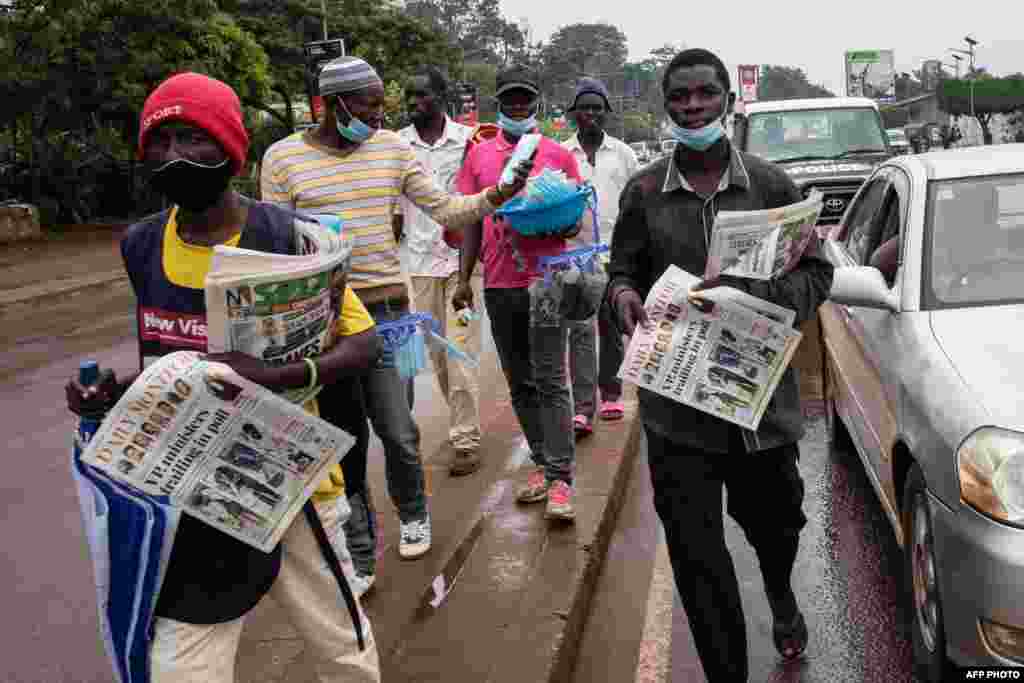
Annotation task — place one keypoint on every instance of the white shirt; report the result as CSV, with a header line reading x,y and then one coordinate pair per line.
x,y
615,164
423,251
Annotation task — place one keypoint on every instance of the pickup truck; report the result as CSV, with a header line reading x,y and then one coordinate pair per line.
x,y
831,144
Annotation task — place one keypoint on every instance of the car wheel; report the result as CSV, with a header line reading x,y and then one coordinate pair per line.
x,y
922,580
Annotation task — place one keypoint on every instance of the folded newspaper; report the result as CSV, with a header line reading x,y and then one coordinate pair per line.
x,y
727,362
275,307
221,448
762,244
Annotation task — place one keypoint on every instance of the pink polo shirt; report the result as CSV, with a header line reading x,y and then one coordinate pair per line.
x,y
482,169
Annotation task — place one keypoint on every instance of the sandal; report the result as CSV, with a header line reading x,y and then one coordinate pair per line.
x,y
612,410
581,425
790,637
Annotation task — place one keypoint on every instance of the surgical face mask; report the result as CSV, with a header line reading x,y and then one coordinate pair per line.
x,y
356,131
193,186
698,139
517,127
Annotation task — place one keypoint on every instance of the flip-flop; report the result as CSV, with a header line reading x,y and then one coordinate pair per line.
x,y
612,410
790,637
581,425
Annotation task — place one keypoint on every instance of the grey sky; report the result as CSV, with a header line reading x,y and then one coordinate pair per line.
x,y
811,34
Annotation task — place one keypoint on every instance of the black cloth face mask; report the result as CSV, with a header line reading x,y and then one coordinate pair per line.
x,y
192,186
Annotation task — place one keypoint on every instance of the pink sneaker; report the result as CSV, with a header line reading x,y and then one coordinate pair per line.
x,y
536,488
560,502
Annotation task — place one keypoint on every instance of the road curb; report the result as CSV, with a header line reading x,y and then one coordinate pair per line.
x,y
514,590
35,294
564,660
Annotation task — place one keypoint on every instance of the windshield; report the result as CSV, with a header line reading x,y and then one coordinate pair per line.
x,y
975,242
814,133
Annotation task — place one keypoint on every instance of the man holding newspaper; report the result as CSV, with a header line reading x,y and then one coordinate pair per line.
x,y
665,228
351,167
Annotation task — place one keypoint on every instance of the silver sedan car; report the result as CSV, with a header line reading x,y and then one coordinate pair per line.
x,y
924,352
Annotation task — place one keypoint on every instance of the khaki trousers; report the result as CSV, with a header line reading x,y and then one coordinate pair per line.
x,y
308,592
460,385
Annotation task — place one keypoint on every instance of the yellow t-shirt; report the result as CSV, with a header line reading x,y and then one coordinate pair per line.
x,y
186,265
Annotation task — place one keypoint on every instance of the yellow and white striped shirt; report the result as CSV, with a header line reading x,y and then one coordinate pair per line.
x,y
363,186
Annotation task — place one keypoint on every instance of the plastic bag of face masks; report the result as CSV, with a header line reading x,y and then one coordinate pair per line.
x,y
545,303
582,291
405,350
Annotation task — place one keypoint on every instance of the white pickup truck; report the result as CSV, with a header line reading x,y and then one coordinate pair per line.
x,y
830,144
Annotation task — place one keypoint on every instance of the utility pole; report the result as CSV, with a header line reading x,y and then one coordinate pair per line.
x,y
323,8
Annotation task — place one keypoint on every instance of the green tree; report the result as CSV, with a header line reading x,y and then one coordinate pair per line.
x,y
787,83
281,27
393,42
475,27
76,71
583,50
981,97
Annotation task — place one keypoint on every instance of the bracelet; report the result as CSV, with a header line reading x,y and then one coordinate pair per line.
x,y
312,373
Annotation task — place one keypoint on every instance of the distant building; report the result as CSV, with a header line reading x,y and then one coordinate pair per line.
x,y
924,109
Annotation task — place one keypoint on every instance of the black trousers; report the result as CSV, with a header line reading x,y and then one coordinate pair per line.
x,y
342,405
765,493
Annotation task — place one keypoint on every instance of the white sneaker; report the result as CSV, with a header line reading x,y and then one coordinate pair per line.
x,y
361,584
414,540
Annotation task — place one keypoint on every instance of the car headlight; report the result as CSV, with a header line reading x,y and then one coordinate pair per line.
x,y
990,463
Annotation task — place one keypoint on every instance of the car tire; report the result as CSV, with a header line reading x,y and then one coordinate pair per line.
x,y
921,575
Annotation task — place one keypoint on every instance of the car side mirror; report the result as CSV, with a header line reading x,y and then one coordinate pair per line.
x,y
862,286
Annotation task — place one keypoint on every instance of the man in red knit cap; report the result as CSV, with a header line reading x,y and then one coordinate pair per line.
x,y
193,138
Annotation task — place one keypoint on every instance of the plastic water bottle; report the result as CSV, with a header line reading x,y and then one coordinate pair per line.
x,y
88,423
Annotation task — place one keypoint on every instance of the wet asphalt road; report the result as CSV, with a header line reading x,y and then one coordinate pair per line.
x,y
847,580
847,576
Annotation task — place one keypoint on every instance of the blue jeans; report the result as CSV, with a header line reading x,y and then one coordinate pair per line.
x,y
389,401
533,359
591,370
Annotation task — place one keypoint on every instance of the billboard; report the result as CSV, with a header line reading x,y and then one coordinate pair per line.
x,y
871,73
749,76
465,105
930,74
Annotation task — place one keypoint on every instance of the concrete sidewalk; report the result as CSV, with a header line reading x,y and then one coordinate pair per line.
x,y
502,595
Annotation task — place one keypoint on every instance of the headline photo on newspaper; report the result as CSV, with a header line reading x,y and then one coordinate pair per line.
x,y
223,449
278,308
727,362
762,244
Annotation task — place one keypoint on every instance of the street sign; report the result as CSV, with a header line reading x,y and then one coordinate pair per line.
x,y
930,71
466,104
871,73
749,76
318,53
324,50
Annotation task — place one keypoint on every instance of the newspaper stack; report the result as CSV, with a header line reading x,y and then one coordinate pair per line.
x,y
727,362
762,244
278,308
217,446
